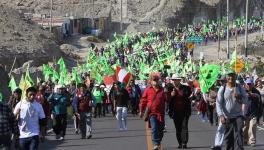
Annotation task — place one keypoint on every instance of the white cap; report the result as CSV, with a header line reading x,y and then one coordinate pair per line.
x,y
60,86
176,77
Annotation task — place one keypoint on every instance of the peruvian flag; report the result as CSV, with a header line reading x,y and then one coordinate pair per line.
x,y
122,75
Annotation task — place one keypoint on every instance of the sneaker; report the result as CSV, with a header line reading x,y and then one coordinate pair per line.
x,y
180,147
156,147
252,145
121,129
90,136
215,148
61,138
76,131
49,131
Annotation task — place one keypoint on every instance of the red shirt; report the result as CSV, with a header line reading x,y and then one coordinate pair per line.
x,y
158,107
45,104
84,102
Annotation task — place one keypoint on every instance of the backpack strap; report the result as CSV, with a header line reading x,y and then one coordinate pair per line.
x,y
223,94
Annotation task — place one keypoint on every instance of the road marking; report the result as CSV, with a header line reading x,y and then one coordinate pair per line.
x,y
148,136
260,128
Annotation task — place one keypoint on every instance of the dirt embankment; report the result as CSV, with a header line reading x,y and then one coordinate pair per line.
x,y
21,39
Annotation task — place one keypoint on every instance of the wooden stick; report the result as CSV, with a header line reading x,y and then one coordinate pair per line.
x,y
12,67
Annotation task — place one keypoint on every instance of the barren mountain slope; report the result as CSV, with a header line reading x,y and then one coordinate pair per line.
x,y
24,40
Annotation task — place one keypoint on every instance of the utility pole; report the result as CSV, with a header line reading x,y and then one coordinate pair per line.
x,y
51,7
218,30
227,35
93,15
218,34
246,30
121,15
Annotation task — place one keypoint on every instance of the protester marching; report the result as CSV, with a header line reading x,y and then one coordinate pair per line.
x,y
151,75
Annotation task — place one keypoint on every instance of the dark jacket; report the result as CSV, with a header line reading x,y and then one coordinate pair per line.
x,y
59,103
12,102
82,102
121,97
254,104
180,103
136,95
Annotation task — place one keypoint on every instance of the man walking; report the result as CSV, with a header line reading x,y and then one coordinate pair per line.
x,y
121,98
254,107
180,110
59,102
82,104
31,117
155,99
135,95
231,101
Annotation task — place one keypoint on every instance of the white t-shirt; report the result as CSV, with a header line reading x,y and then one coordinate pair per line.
x,y
29,118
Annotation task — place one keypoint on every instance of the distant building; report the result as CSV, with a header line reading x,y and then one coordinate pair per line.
x,y
100,25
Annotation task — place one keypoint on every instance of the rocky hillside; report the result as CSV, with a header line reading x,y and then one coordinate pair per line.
x,y
21,39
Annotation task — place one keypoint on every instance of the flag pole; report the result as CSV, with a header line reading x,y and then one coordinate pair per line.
x,y
236,60
12,68
236,52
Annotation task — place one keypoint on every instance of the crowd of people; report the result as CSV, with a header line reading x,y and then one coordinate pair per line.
x,y
234,103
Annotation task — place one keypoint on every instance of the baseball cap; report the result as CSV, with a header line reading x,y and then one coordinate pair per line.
x,y
231,72
249,81
60,86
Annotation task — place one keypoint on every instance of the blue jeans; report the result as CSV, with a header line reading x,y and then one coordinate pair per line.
x,y
30,143
156,130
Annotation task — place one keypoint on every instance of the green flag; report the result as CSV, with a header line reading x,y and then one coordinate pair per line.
x,y
55,76
247,66
12,84
62,80
208,75
63,69
67,80
21,81
61,63
96,75
126,40
47,71
76,77
24,84
38,80
27,76
115,36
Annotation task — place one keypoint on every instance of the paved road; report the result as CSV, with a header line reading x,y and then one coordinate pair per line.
x,y
107,137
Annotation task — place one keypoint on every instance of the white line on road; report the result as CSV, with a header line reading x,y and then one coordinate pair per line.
x,y
260,128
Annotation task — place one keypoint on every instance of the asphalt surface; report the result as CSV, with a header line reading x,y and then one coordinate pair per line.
x,y
106,136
